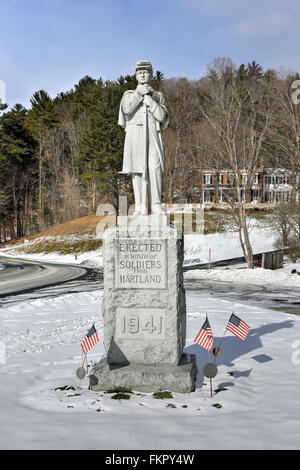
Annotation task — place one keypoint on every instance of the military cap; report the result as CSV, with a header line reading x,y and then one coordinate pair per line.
x,y
144,65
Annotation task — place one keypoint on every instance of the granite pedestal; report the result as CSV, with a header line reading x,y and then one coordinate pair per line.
x,y
144,309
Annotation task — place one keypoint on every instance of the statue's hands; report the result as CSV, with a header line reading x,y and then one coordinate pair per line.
x,y
148,100
144,89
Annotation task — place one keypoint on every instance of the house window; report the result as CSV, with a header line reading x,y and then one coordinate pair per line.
x,y
255,195
208,179
256,178
208,196
268,179
230,179
244,179
221,179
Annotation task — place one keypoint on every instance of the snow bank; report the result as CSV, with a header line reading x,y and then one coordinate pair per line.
x,y
226,245
259,276
93,259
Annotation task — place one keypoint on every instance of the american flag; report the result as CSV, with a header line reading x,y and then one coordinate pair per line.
x,y
238,327
205,337
90,340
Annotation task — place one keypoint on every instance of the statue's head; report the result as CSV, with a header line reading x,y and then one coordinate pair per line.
x,y
143,71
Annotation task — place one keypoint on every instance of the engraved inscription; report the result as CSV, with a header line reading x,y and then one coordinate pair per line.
x,y
140,323
141,264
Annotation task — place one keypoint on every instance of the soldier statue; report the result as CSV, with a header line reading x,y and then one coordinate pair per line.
x,y
143,115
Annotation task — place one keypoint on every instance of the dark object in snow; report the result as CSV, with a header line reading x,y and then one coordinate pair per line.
x,y
93,380
294,271
217,405
210,370
80,372
65,387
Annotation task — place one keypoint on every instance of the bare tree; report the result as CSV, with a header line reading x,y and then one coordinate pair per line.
x,y
286,129
239,114
180,96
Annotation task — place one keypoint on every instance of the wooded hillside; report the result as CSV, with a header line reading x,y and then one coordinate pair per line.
x,y
62,157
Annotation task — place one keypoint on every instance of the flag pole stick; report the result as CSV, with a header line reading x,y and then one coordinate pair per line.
x,y
210,380
83,360
222,340
86,363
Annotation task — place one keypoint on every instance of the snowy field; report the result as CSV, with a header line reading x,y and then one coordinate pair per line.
x,y
222,246
41,351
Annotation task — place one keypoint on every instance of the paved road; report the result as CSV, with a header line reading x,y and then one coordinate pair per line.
x,y
23,280
20,275
266,296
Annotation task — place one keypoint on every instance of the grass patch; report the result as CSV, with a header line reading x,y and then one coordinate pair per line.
x,y
119,390
220,389
61,245
162,395
120,396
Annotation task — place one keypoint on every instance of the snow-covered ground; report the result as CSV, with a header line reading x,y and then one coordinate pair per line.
x,y
259,377
258,276
88,258
220,246
40,344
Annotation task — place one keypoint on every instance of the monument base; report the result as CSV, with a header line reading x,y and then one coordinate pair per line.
x,y
143,378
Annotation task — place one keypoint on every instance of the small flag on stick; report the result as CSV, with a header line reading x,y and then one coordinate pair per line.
x,y
238,327
205,337
90,340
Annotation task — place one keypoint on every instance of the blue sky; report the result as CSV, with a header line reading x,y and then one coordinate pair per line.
x,y
51,44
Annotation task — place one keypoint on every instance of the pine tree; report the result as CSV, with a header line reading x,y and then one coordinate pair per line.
x,y
41,118
17,168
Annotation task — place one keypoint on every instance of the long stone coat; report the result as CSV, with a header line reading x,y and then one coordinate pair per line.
x,y
138,144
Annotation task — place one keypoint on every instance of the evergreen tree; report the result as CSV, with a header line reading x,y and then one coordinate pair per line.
x,y
254,70
41,118
17,163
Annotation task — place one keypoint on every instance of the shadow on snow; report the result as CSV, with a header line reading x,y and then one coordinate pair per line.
x,y
233,348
